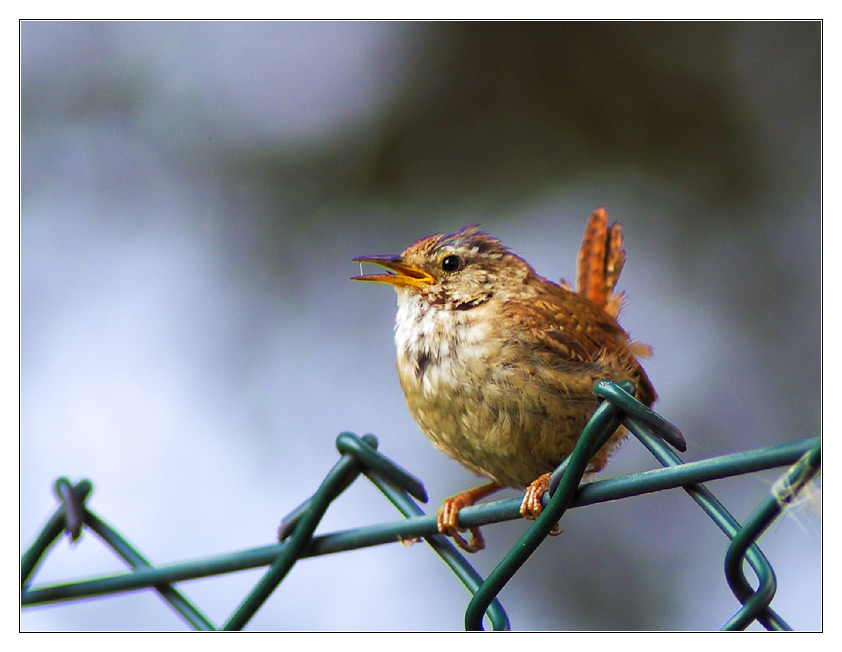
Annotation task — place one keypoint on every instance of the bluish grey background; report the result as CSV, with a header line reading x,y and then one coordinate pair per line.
x,y
192,195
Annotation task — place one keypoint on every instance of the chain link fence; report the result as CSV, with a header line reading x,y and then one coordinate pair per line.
x,y
359,456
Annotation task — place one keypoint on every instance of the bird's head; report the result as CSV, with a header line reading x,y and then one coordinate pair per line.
x,y
458,271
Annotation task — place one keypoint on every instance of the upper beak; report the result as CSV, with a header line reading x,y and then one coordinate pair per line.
x,y
404,275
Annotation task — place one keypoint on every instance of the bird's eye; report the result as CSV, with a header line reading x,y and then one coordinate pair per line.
x,y
451,263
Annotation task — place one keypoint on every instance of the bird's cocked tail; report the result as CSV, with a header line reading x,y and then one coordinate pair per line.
x,y
601,260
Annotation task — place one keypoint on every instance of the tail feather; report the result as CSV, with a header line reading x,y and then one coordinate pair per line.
x,y
601,260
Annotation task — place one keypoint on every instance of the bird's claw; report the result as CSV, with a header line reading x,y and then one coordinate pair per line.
x,y
474,544
531,507
447,522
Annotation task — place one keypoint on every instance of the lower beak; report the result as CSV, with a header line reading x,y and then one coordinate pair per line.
x,y
400,275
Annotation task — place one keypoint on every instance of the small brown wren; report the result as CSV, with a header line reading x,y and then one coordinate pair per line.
x,y
498,364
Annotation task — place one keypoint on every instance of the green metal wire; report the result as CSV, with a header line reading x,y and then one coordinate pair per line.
x,y
604,420
588,494
722,518
133,558
71,516
756,603
363,450
73,503
339,477
52,530
446,550
359,456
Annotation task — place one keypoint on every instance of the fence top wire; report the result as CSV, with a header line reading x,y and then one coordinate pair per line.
x,y
359,456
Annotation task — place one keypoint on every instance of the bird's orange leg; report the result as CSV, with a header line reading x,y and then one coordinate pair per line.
x,y
448,516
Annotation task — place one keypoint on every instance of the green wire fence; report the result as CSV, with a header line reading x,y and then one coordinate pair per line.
x,y
359,456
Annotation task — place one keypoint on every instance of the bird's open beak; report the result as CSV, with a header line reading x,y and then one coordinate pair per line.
x,y
400,274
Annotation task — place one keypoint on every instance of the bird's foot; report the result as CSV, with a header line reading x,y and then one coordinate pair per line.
x,y
447,520
531,507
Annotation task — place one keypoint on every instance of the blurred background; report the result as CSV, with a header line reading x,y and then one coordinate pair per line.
x,y
192,195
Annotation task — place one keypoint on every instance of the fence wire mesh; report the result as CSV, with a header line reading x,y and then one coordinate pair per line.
x,y
359,456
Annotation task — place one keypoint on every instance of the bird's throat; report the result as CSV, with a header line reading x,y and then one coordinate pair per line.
x,y
437,346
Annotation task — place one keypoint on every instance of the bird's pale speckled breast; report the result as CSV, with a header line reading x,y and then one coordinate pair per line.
x,y
467,402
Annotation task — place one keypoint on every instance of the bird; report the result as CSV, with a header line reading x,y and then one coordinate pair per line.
x,y
498,363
